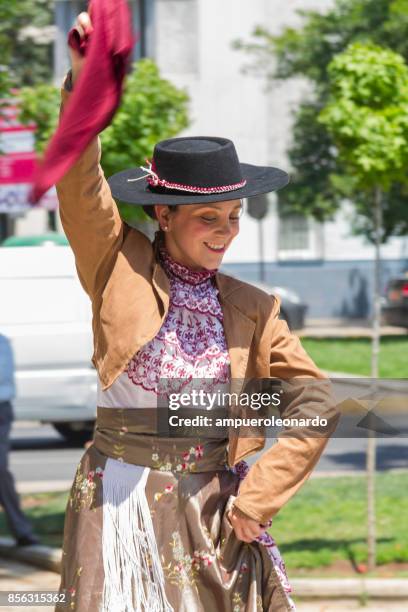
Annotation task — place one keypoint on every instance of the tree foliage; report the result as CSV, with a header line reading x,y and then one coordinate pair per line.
x,y
25,53
151,110
320,178
367,117
367,114
40,104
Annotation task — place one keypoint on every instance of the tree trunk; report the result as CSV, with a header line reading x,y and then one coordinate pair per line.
x,y
371,441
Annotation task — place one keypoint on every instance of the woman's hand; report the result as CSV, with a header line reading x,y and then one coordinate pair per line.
x,y
83,26
246,529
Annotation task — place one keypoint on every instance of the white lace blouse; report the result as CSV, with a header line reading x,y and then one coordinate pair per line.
x,y
190,348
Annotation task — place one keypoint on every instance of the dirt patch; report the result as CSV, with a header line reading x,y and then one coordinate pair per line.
x,y
33,502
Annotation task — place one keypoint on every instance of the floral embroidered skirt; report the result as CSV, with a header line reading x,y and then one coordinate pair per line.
x,y
146,528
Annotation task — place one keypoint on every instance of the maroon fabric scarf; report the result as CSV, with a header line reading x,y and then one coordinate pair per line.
x,y
97,92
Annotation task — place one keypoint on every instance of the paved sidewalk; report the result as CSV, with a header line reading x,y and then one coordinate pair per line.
x,y
16,576
345,605
339,328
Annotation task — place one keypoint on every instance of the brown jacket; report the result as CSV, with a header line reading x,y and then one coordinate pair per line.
x,y
129,291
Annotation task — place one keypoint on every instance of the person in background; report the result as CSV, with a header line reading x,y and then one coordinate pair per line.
x,y
18,523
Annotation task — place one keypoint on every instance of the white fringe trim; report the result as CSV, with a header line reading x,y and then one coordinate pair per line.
x,y
134,580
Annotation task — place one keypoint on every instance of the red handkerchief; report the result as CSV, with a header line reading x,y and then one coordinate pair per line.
x,y
97,91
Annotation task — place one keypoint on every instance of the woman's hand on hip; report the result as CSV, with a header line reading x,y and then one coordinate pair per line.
x,y
246,529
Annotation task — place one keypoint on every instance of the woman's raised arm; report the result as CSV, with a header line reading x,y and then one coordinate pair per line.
x,y
89,214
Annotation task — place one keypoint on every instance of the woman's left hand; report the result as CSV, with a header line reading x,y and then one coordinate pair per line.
x,y
246,529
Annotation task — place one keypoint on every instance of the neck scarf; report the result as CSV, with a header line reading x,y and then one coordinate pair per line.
x,y
175,269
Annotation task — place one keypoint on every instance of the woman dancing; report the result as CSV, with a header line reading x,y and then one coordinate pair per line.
x,y
162,522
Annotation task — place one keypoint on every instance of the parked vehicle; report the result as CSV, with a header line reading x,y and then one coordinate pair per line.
x,y
395,304
293,310
47,316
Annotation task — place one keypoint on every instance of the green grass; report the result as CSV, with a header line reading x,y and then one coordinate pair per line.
x,y
353,355
326,522
46,511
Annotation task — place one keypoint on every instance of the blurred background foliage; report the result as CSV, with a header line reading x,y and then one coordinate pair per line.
x,y
367,115
25,42
320,180
151,110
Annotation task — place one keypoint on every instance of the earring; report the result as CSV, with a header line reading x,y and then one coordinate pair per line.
x,y
165,228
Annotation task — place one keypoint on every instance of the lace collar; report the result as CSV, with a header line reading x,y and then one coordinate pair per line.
x,y
176,270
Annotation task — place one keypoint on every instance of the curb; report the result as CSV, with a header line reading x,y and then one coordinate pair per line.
x,y
350,588
364,381
339,331
43,486
43,557
49,558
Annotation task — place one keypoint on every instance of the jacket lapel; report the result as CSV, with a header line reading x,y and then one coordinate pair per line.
x,y
238,328
239,331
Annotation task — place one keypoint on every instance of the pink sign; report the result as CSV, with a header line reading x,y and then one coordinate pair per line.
x,y
17,163
16,168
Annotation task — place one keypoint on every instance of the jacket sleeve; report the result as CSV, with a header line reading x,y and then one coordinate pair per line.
x,y
90,217
283,468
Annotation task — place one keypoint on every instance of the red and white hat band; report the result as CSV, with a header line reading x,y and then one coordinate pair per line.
x,y
155,181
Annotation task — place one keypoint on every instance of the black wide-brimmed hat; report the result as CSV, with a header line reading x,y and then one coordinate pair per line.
x,y
194,170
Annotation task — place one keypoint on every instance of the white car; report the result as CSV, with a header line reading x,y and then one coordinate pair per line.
x,y
47,317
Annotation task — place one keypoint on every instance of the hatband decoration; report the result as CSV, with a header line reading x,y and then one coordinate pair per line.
x,y
154,181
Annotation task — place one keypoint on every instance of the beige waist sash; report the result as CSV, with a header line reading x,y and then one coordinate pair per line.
x,y
137,436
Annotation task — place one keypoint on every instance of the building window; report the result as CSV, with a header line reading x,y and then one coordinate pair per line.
x,y
65,13
299,237
293,233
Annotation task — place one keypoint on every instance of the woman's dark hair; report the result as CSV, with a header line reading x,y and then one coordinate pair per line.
x,y
149,210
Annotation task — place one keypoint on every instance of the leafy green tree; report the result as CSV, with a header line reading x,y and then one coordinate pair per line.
x,y
366,115
40,104
27,54
349,135
320,183
4,90
152,109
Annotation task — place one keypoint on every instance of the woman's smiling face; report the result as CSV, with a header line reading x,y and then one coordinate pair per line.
x,y
198,235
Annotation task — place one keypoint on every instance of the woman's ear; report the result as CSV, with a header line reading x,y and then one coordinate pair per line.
x,y
163,215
